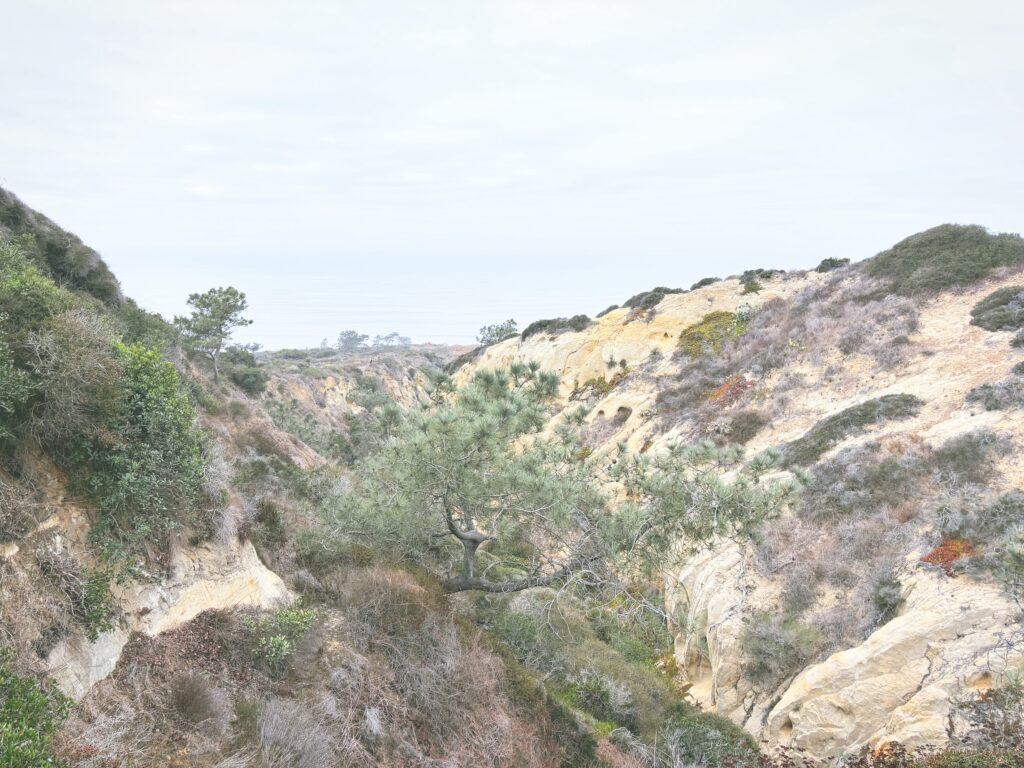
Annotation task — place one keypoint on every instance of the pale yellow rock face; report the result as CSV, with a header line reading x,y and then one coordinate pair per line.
x,y
949,639
204,578
579,357
900,683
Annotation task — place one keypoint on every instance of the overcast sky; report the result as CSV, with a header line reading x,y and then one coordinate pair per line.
x,y
428,166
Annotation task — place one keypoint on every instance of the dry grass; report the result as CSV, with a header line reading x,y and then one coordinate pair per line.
x,y
21,510
393,680
824,324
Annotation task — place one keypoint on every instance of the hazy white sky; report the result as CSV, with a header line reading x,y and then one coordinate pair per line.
x,y
429,166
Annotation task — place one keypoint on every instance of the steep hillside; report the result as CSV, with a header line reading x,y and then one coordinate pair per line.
x,y
58,253
327,396
259,569
165,599
880,601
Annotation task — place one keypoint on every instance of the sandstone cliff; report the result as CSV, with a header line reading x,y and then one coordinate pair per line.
x,y
950,634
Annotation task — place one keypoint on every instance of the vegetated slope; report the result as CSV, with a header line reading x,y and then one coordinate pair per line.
x,y
157,563
162,557
882,600
61,255
326,396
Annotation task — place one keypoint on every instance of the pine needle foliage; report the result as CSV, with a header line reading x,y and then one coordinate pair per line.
x,y
468,489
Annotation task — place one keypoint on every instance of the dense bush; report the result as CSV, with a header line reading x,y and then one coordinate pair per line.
x,y
827,265
29,717
274,636
606,310
744,426
711,333
705,739
831,431
243,370
760,273
650,299
862,479
999,396
989,522
17,388
28,298
375,423
705,281
777,646
79,377
492,334
944,257
556,325
145,471
139,326
1001,310
531,639
60,255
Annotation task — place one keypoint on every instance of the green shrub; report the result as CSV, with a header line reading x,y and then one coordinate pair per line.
x,y
650,299
149,329
28,298
751,275
705,281
270,525
593,695
706,739
1018,339
242,369
944,257
745,425
29,717
777,646
492,334
831,431
319,552
1001,310
79,379
556,325
17,388
711,333
274,636
58,253
605,311
145,472
827,265
752,286
289,417
963,758
531,640
999,396
641,638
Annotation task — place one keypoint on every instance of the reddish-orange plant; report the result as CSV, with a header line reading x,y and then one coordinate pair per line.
x,y
948,552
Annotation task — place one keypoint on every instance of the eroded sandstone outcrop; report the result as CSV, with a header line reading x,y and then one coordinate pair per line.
x,y
207,577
